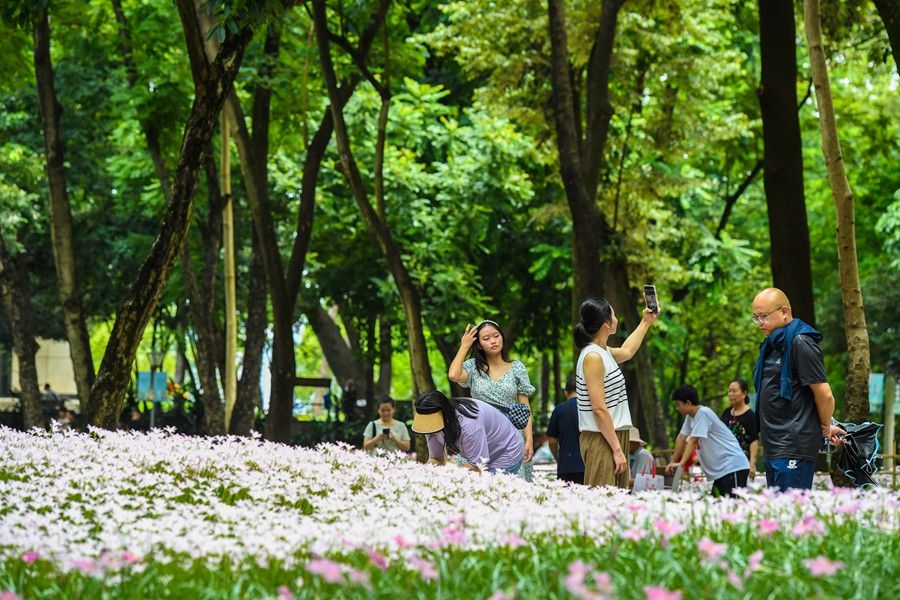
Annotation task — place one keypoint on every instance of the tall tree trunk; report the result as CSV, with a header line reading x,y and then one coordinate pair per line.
x,y
212,82
284,287
15,291
248,392
783,157
889,11
545,392
589,228
385,353
342,357
409,294
229,373
598,267
858,367
61,216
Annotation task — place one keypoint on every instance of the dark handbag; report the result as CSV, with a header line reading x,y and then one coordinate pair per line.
x,y
517,413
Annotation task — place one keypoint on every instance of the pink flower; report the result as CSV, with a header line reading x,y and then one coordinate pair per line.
x,y
328,570
9,595
29,557
634,533
636,508
754,562
848,509
359,577
711,550
808,524
285,593
658,593
821,566
735,580
767,527
402,542
85,565
514,541
603,582
425,568
498,595
453,535
130,558
668,528
378,560
731,517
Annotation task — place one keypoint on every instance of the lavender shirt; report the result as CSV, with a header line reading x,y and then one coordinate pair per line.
x,y
488,441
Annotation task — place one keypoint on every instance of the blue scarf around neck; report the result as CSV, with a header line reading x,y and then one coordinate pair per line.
x,y
783,335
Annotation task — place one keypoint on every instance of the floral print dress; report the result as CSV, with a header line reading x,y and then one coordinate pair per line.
x,y
504,391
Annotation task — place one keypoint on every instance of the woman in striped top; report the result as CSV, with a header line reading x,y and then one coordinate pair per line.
x,y
603,415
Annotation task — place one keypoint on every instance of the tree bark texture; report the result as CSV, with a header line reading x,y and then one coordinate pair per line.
x,y
212,83
248,392
889,11
783,157
342,357
16,295
61,230
409,293
857,392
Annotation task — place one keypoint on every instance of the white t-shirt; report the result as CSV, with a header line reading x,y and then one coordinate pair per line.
x,y
718,449
613,386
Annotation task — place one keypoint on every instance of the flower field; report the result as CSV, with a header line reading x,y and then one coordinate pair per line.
x,y
113,514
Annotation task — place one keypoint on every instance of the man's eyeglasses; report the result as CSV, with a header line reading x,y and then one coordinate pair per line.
x,y
760,318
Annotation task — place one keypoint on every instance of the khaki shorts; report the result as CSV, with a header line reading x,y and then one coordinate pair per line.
x,y
599,466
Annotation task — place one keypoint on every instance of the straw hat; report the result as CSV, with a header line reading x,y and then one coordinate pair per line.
x,y
428,416
634,435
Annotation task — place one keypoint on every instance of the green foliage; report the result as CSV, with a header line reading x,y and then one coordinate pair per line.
x,y
539,567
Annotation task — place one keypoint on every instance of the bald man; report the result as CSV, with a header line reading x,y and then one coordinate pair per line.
x,y
795,403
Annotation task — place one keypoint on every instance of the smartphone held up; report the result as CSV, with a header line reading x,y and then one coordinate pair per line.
x,y
650,298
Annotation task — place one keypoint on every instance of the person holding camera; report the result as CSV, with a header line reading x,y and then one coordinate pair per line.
x,y
386,433
604,418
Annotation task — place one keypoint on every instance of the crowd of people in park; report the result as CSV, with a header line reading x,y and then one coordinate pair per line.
x,y
588,433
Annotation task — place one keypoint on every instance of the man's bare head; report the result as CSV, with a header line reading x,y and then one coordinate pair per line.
x,y
771,310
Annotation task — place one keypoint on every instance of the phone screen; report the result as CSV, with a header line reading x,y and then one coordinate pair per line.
x,y
650,298
386,432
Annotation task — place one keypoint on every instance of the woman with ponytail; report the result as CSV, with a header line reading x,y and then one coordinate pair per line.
x,y
473,429
604,419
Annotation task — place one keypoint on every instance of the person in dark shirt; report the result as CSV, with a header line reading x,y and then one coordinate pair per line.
x,y
741,420
795,406
562,434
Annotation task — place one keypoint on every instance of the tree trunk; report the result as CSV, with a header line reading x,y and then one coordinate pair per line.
x,y
212,83
248,392
342,357
889,11
541,422
783,157
409,294
15,291
229,373
61,231
598,267
203,317
857,393
385,353
589,228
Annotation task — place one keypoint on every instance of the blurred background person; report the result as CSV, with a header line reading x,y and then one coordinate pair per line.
x,y
562,437
386,432
640,459
741,420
